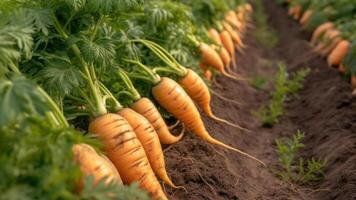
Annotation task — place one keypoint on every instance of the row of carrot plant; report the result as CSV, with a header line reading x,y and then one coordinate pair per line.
x,y
333,23
85,87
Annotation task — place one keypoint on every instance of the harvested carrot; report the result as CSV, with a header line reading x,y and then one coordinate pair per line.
x,y
234,35
229,46
306,17
330,47
214,35
339,52
146,108
249,8
126,152
232,18
175,100
195,87
297,12
211,58
225,56
208,75
150,142
93,164
320,30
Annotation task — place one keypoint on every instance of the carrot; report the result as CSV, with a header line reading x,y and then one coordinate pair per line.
x,y
297,12
208,75
211,58
175,100
227,42
146,108
306,17
249,8
234,35
229,46
353,81
196,89
225,56
150,142
321,30
98,166
126,152
339,52
232,18
331,46
214,35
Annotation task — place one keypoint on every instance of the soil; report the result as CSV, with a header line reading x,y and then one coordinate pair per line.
x,y
324,109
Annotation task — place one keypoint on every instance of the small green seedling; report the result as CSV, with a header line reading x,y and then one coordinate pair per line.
x,y
296,169
283,86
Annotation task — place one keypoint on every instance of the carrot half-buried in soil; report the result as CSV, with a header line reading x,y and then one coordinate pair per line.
x,y
126,152
150,142
146,108
175,100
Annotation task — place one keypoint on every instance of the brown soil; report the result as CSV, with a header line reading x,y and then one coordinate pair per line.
x,y
324,109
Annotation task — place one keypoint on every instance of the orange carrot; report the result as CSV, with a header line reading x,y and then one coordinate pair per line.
x,y
98,166
225,56
338,54
305,18
297,12
214,35
126,152
146,108
175,100
232,18
248,8
321,30
234,35
196,89
150,142
229,46
211,58
208,75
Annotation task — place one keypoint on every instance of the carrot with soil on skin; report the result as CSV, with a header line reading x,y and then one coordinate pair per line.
x,y
125,150
199,92
176,101
98,166
146,108
321,29
339,52
150,142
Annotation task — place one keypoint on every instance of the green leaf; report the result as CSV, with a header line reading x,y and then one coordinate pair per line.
x,y
19,97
